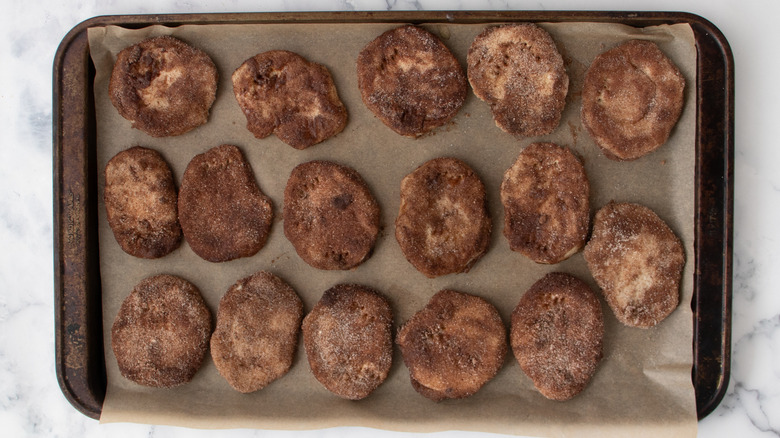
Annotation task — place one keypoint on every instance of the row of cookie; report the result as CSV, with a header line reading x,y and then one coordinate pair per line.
x,y
631,99
166,87
451,347
443,225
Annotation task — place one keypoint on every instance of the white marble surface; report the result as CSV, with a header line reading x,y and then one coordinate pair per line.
x,y
31,403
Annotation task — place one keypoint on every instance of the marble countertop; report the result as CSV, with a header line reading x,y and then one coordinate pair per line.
x,y
31,403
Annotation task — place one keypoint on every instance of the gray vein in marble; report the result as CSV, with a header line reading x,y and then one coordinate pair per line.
x,y
403,5
744,273
348,5
752,401
749,392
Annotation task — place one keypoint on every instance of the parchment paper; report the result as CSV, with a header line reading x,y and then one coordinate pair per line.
x,y
641,388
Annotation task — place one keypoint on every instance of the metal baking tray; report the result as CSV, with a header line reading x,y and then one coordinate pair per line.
x,y
79,356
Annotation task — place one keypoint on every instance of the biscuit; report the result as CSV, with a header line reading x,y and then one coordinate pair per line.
x,y
348,340
164,86
282,93
330,216
443,225
453,346
223,213
637,261
257,331
161,333
557,333
518,71
140,199
546,207
410,80
631,99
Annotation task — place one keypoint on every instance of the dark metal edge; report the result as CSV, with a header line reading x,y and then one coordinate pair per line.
x,y
80,366
79,339
711,304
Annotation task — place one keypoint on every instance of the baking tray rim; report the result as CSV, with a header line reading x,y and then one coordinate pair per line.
x,y
82,382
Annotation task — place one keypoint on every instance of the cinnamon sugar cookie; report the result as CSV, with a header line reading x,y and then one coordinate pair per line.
x,y
518,71
280,92
453,346
348,340
163,86
330,215
443,225
256,335
631,99
161,333
223,213
546,208
557,335
140,199
410,80
637,261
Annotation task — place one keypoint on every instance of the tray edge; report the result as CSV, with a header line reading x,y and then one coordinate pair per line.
x,y
714,207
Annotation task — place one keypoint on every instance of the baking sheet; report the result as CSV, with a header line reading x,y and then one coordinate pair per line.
x,y
643,385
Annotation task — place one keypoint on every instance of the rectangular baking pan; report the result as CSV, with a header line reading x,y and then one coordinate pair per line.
x,y
79,356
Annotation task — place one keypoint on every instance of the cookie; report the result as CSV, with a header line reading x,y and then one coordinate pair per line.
x,y
223,213
632,97
330,216
443,225
161,333
164,86
256,335
557,335
140,199
518,71
637,261
546,207
348,340
410,80
282,93
453,346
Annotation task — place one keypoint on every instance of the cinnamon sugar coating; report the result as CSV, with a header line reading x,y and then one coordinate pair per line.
x,y
518,71
280,92
256,334
637,261
161,333
140,199
223,213
348,340
410,80
443,225
546,207
453,346
164,86
557,333
330,215
631,99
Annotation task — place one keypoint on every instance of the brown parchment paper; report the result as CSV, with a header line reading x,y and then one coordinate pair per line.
x,y
641,388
